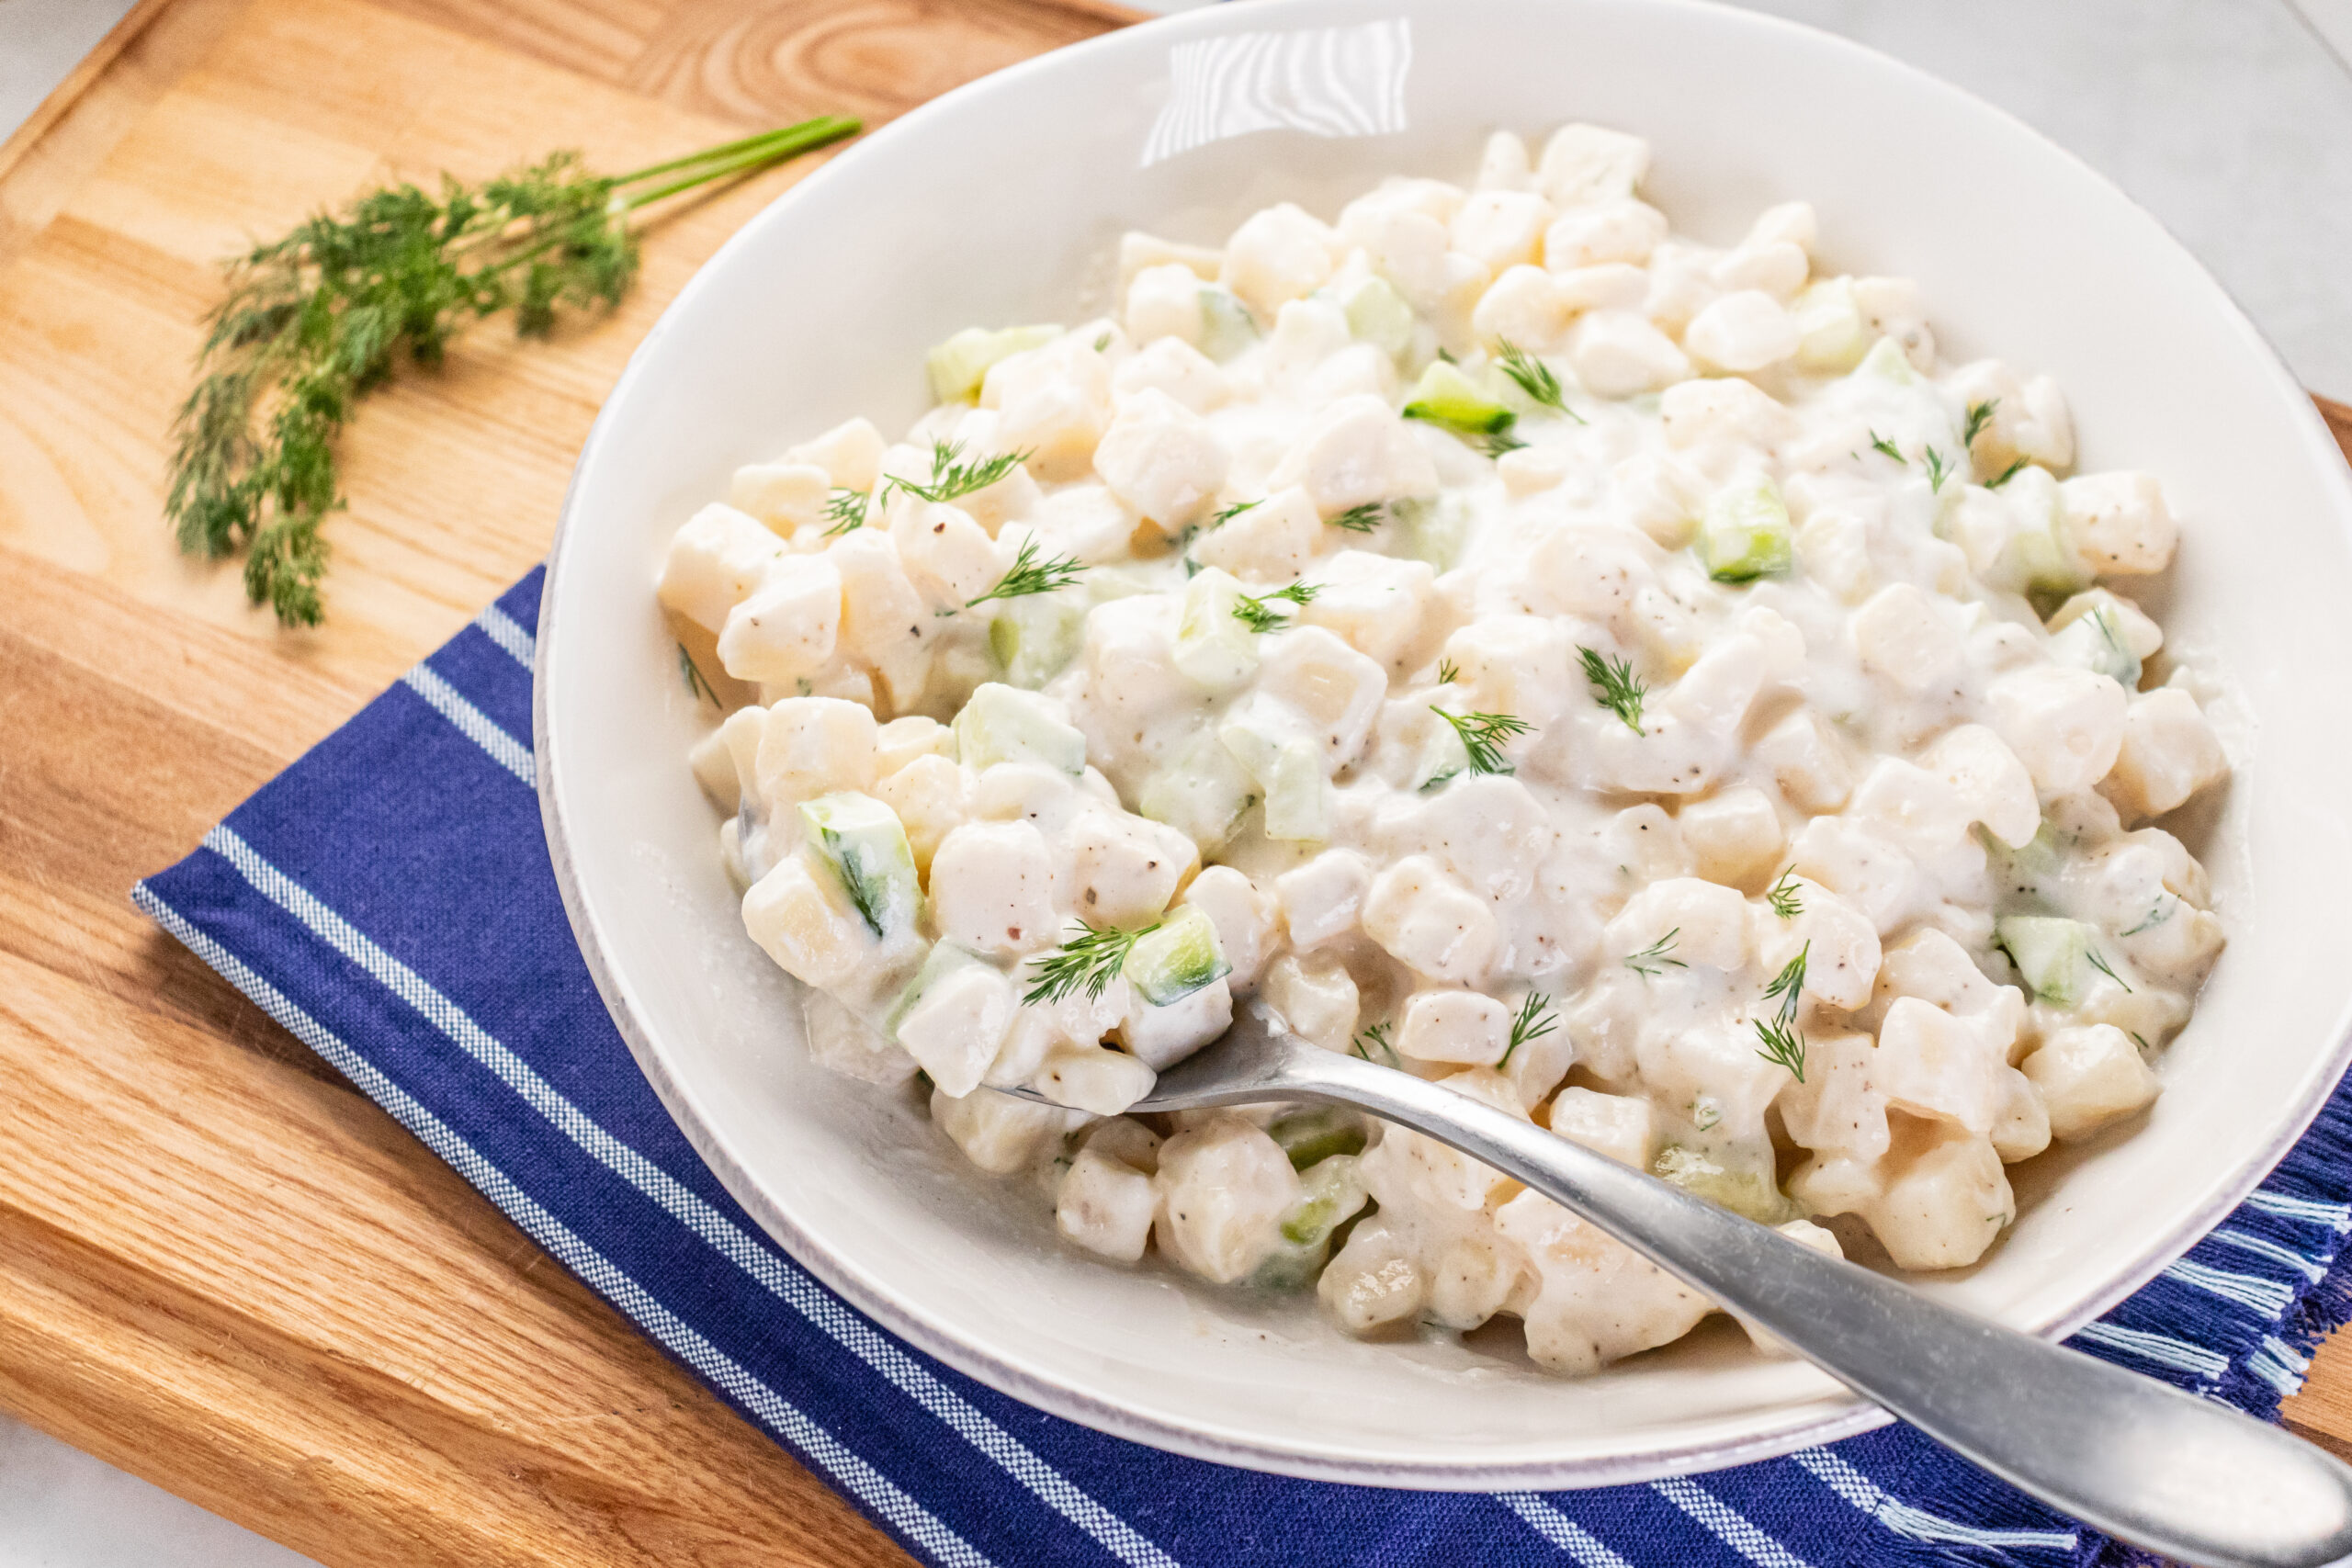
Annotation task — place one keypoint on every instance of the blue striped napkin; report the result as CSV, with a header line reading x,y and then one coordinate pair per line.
x,y
388,899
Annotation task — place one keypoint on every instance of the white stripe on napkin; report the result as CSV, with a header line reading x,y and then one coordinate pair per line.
x,y
1730,1526
1560,1531
509,634
1858,1489
473,723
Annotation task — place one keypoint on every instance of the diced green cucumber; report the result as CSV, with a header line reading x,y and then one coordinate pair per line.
x,y
865,844
1832,337
1746,1192
1745,534
1034,637
1310,1137
1177,958
1432,530
1214,649
1202,795
958,366
1330,1190
2095,642
1887,361
1445,396
2037,559
2051,954
1291,773
1379,315
1005,724
943,959
1226,325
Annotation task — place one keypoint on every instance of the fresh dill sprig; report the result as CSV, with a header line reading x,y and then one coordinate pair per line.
x,y
1377,1034
1495,443
1483,735
1088,962
1535,378
1257,613
1783,1044
846,510
951,481
1880,443
1029,575
1236,510
2006,475
1361,519
1448,671
1783,896
1652,959
1532,1024
315,320
700,687
2157,915
1102,341
2101,965
1782,1041
2139,1040
1614,685
1937,472
1979,416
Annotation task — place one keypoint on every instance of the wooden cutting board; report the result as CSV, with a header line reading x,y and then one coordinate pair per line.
x,y
221,1268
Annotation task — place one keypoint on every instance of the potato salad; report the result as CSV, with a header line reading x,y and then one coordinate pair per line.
x,y
1633,680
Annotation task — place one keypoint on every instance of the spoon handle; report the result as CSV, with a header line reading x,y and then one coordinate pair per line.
x,y
2170,1473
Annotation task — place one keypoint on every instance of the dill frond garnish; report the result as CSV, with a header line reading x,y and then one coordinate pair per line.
x,y
1236,510
1531,1023
701,687
1651,960
1483,735
2101,965
1615,687
1088,962
1937,472
1979,415
845,509
1257,613
951,480
1029,575
1782,1043
1783,896
1376,1035
1882,444
313,322
1495,443
1534,377
1361,519
2006,475
1448,671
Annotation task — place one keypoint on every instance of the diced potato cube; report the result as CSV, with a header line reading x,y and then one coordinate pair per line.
x,y
1514,664
998,1132
991,888
1524,308
2169,752
841,1042
1163,1036
943,550
1092,1079
1322,900
2118,523
1105,1205
813,746
1244,918
1124,869
1375,602
932,797
1372,1283
1315,996
1354,451
1337,690
1595,234
1501,228
1430,923
715,563
1808,761
1944,1206
850,453
1840,943
1989,780
2089,1078
801,917
957,1024
1278,254
1734,836
1176,367
1622,1126
1224,1186
1708,923
1777,269
1727,411
1618,354
1591,162
1933,1065
1465,1027
1742,331
1272,541
1164,302
2065,725
1902,634
784,496
787,628
1162,459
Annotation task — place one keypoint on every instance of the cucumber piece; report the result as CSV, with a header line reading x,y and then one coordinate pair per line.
x,y
1202,795
1379,315
2036,559
1214,650
1432,530
865,844
943,959
957,367
1332,1189
1310,1137
1887,362
1832,337
2095,642
1005,724
1032,639
1444,395
1226,325
1298,806
1746,1192
2051,954
1745,534
1180,956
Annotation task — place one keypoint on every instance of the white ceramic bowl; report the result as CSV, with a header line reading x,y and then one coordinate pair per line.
x,y
1001,202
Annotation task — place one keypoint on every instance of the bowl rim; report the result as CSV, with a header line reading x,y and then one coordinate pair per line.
x,y
1232,1446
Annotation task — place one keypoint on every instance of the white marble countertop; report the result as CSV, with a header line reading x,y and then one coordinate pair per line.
x,y
2229,119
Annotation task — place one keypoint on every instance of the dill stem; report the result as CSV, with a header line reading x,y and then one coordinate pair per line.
x,y
741,157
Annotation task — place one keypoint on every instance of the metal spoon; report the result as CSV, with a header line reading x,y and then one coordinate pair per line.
x,y
2163,1470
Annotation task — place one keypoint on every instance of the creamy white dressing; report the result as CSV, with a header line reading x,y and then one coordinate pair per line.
x,y
1832,898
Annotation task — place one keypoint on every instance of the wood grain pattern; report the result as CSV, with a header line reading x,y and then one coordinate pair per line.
x,y
221,1268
